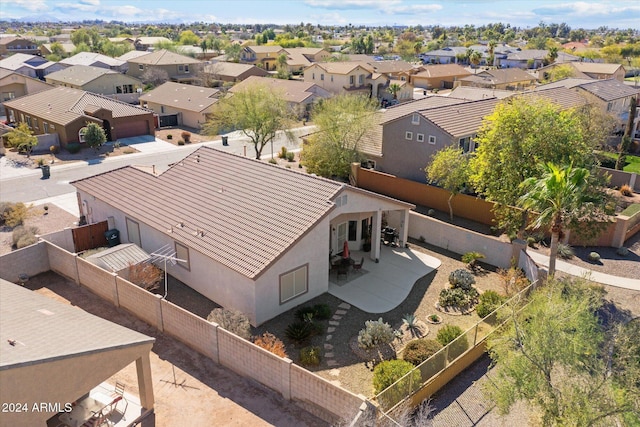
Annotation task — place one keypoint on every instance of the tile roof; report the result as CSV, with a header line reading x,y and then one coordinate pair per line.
x,y
149,41
182,96
386,67
501,76
596,67
79,74
245,224
231,69
527,54
297,59
119,257
609,90
46,330
133,54
472,93
163,57
63,105
90,58
562,96
265,49
462,119
340,67
66,47
442,70
568,83
294,91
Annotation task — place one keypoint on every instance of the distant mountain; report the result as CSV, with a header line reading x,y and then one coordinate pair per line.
x,y
37,18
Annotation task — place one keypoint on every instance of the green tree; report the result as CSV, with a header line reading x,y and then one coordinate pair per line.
x,y
562,198
189,38
57,49
625,144
560,72
551,354
449,168
94,135
22,139
474,59
258,110
341,123
232,52
393,89
521,134
283,69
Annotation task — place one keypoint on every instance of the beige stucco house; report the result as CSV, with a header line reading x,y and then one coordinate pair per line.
x,y
441,76
14,85
95,60
11,45
340,77
179,104
262,56
261,249
59,353
179,68
97,80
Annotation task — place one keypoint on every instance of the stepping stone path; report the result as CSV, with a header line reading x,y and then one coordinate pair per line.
x,y
342,310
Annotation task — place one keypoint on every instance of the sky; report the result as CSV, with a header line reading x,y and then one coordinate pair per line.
x,y
586,14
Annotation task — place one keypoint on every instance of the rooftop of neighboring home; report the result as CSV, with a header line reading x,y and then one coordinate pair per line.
x,y
66,47
527,54
461,119
64,105
132,54
295,91
597,67
564,97
442,70
451,51
79,74
297,59
163,57
7,40
500,76
39,325
232,69
181,96
264,49
389,67
340,67
607,90
18,60
150,41
90,58
471,93
201,198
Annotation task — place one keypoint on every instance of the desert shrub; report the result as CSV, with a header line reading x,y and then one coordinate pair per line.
x,y
390,371
375,332
273,161
300,332
169,136
73,147
417,351
186,136
24,236
471,259
310,356
180,142
594,256
457,297
15,213
448,333
513,280
489,301
410,320
317,312
625,190
462,279
40,161
129,151
435,318
565,251
291,157
283,153
233,321
145,275
271,343
54,149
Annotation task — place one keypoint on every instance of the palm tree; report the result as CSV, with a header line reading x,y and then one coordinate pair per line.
x,y
474,59
559,197
393,89
491,49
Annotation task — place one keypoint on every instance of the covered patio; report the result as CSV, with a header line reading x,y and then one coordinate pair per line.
x,y
379,287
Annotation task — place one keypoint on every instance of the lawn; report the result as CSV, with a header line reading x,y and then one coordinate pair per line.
x,y
633,162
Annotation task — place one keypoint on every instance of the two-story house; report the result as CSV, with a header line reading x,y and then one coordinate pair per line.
x,y
148,43
507,79
179,68
30,65
95,60
262,56
340,77
11,45
14,85
97,80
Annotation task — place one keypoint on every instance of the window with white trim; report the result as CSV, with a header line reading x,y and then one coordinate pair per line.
x,y
35,123
408,135
420,137
45,127
432,139
81,133
141,67
28,120
415,119
182,252
321,76
294,283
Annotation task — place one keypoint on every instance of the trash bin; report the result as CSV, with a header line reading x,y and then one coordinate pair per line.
x,y
225,140
113,237
46,171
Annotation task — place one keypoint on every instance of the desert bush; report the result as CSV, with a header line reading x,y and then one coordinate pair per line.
x,y
54,149
310,356
283,152
594,256
145,275
411,321
489,301
625,190
457,297
513,280
291,156
169,136
300,332
233,321
40,161
186,136
471,259
375,332
448,333
317,312
73,147
273,161
271,343
14,214
180,142
417,351
565,251
390,371
24,236
462,279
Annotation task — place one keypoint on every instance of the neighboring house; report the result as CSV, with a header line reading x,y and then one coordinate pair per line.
x,y
313,54
180,104
131,55
54,342
68,48
300,95
507,79
232,72
340,77
600,71
533,59
148,43
180,68
441,76
472,93
14,85
447,55
196,52
262,56
12,45
65,111
95,60
386,73
97,80
30,65
261,252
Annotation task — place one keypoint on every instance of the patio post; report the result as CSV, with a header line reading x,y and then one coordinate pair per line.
x,y
405,229
145,383
375,238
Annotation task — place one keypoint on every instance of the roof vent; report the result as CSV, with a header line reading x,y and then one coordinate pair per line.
x,y
198,158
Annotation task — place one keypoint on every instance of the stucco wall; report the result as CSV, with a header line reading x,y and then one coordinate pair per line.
x,y
30,260
62,238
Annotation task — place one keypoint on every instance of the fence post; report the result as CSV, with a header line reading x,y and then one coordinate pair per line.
x,y
160,324
475,336
285,378
116,300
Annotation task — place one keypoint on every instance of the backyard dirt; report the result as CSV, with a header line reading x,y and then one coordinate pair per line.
x,y
189,389
176,135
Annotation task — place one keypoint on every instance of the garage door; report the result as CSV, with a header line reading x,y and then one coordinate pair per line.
x,y
129,129
169,120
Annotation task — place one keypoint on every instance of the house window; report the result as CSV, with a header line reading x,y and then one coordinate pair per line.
x,y
361,79
415,119
45,127
28,120
342,200
21,117
321,76
420,137
181,68
353,229
186,68
35,123
294,283
12,117
81,133
6,96
162,109
352,80
182,252
432,139
331,78
313,76
53,127
141,67
465,144
408,135
133,232
368,164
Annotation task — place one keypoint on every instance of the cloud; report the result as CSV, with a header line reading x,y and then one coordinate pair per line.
x,y
352,4
66,8
585,9
31,5
91,2
414,9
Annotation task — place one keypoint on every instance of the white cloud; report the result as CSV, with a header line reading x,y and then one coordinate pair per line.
x,y
67,7
581,8
414,9
31,5
353,4
91,2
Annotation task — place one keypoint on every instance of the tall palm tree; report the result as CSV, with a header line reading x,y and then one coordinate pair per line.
x,y
491,49
558,197
474,58
393,89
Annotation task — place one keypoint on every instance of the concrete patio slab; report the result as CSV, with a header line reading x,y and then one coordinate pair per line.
x,y
383,285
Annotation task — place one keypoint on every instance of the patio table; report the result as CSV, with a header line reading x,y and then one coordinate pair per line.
x,y
82,412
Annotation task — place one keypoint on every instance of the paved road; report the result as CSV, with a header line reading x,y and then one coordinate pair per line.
x,y
26,185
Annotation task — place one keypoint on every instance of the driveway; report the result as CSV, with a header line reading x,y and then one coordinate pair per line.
x,y
190,390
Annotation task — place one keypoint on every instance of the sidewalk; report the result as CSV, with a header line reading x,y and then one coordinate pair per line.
x,y
574,270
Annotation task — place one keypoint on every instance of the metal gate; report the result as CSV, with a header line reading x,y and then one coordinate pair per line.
x,y
169,120
89,236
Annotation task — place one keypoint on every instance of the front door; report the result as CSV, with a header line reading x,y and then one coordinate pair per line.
x,y
341,237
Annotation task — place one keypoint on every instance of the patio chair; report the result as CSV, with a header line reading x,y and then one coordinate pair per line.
x,y
358,267
343,270
117,395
